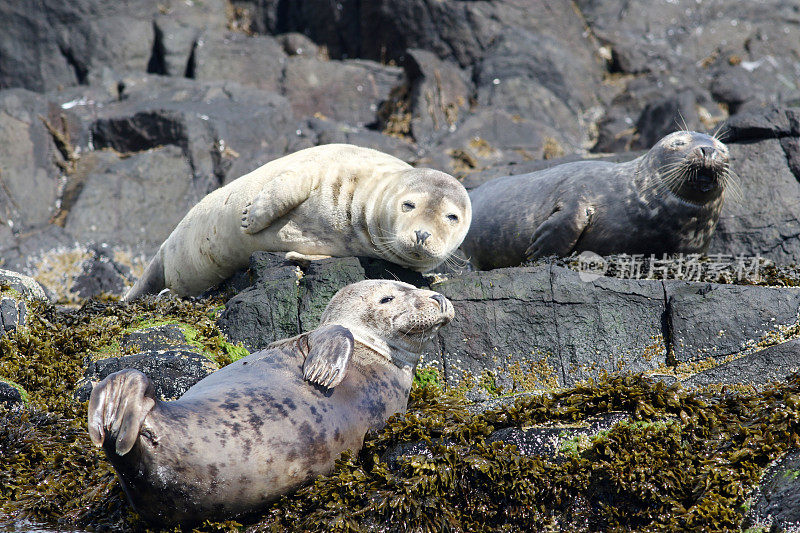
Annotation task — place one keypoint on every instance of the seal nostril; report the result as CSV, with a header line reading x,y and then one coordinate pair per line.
x,y
421,236
441,300
706,151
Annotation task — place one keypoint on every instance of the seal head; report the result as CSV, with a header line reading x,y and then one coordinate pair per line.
x,y
695,167
424,216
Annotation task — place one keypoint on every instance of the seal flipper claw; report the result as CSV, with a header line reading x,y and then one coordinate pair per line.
x,y
559,234
275,199
329,351
117,408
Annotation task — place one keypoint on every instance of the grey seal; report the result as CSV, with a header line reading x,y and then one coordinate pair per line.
x,y
666,201
272,421
332,200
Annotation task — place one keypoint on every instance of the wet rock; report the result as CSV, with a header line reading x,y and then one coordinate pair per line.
x,y
9,395
173,372
775,503
166,337
712,320
756,369
556,441
12,314
350,91
101,274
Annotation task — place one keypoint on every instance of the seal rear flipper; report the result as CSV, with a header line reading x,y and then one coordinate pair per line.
x,y
329,350
151,282
117,408
559,234
279,196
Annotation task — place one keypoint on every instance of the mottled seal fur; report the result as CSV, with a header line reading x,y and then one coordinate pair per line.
x,y
666,201
331,200
272,421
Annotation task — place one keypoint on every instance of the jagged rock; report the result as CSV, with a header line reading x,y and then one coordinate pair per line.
x,y
775,503
101,274
178,28
349,91
117,203
713,320
9,395
173,372
756,369
329,131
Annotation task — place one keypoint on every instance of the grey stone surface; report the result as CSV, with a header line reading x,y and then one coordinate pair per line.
x,y
349,91
546,324
12,314
713,320
773,364
257,61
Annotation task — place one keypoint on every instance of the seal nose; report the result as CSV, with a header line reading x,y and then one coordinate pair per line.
x,y
421,236
441,300
707,151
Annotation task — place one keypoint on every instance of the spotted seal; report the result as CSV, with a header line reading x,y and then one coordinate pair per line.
x,y
666,201
330,200
272,421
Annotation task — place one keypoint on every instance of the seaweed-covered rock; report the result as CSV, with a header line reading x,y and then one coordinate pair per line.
x,y
164,337
173,372
716,320
756,369
9,395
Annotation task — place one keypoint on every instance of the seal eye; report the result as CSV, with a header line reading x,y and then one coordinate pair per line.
x,y
408,206
452,218
387,299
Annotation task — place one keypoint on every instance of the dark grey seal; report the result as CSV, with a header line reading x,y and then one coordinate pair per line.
x,y
270,422
664,202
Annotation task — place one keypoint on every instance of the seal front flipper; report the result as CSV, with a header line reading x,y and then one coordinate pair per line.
x,y
151,282
117,408
328,350
559,234
279,196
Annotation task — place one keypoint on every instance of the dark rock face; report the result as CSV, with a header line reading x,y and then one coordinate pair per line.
x,y
777,497
12,314
173,371
9,395
710,320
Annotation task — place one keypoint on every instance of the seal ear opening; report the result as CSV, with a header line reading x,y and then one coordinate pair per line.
x,y
329,351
